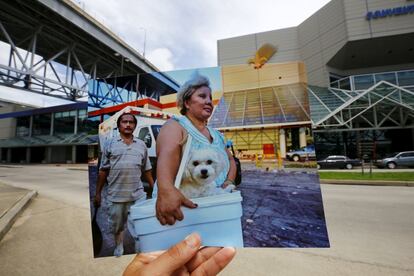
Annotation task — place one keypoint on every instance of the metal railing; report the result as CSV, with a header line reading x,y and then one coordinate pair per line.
x,y
404,78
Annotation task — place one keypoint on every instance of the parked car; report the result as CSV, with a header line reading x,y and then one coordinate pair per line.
x,y
397,159
304,153
338,162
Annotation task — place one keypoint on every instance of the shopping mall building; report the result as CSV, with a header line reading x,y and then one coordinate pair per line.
x,y
359,62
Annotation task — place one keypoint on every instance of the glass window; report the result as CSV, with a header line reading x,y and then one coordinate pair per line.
x,y
83,124
156,130
407,154
363,82
23,126
345,84
389,77
88,125
405,78
64,122
41,124
145,136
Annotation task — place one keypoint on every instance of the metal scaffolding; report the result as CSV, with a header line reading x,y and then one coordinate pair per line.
x,y
382,106
55,49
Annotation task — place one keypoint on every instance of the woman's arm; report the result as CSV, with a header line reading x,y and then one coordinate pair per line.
x,y
169,198
231,175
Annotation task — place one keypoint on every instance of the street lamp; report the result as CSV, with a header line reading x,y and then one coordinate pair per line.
x,y
145,40
122,61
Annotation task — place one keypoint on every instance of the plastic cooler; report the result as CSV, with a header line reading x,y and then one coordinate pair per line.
x,y
216,219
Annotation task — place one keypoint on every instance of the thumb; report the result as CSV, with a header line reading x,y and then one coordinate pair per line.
x,y
176,256
188,203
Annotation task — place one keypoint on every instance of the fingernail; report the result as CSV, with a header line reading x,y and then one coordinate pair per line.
x,y
192,240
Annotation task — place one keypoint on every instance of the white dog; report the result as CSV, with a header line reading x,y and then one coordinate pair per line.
x,y
201,171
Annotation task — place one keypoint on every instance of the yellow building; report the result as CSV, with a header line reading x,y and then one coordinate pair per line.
x,y
260,110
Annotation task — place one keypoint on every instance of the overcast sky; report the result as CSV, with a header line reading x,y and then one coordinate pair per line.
x,y
182,34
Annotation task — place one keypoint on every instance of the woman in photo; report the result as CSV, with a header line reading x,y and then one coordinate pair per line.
x,y
194,100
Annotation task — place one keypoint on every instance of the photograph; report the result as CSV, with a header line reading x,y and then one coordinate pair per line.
x,y
206,137
221,151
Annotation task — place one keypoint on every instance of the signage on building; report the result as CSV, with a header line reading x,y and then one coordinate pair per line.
x,y
262,55
390,12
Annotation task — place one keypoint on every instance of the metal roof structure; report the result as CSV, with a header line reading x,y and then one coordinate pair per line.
x,y
262,107
383,106
54,48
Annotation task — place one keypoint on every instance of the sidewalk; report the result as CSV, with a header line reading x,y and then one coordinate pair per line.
x,y
12,202
368,182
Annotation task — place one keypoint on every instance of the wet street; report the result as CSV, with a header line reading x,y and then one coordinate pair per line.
x,y
282,209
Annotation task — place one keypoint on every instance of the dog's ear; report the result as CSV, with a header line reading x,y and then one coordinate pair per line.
x,y
187,173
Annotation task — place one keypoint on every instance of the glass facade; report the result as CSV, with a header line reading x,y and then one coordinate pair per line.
x,y
363,82
377,108
270,105
389,77
23,126
363,144
406,78
64,122
41,124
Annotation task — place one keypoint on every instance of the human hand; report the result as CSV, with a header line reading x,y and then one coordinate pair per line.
x,y
228,183
184,258
168,206
97,201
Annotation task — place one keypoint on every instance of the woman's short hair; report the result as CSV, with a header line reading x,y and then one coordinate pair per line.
x,y
188,88
118,121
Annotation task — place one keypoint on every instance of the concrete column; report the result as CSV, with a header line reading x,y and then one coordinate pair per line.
x,y
412,136
302,137
75,127
28,154
31,126
52,123
282,142
48,154
73,154
9,154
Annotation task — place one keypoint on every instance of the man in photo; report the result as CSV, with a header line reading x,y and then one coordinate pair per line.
x,y
124,160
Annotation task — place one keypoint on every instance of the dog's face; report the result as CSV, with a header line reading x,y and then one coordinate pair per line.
x,y
203,166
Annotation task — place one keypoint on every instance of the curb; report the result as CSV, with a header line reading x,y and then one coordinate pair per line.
x,y
368,182
78,169
10,216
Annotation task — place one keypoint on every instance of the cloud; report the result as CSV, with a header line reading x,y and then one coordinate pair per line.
x,y
190,29
161,58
